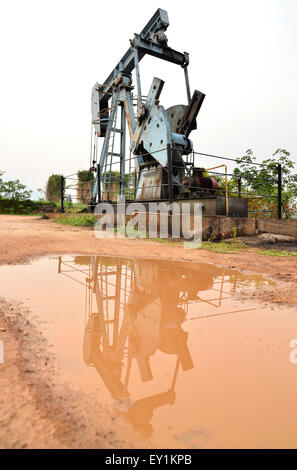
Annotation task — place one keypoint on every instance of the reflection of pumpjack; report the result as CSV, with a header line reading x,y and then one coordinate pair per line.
x,y
155,299
151,321
141,411
109,365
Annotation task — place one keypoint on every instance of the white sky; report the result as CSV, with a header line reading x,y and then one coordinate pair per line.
x,y
242,56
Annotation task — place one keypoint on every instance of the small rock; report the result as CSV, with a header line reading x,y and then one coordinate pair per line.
x,y
274,238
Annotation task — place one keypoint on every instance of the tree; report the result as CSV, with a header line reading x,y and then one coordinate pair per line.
x,y
53,188
262,180
13,189
42,194
1,183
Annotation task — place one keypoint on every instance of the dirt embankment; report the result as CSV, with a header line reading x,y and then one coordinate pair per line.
x,y
34,407
37,410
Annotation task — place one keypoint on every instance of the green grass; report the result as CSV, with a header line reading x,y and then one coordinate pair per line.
x,y
130,232
72,207
229,248
24,207
167,241
216,247
223,247
27,214
78,220
273,252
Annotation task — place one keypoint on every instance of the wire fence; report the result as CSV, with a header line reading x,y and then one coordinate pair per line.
x,y
178,178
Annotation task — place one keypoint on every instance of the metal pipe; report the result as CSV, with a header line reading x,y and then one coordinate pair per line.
x,y
279,190
62,194
138,84
123,152
129,113
98,183
239,186
187,84
169,174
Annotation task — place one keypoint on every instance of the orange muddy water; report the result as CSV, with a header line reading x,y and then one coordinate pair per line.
x,y
172,347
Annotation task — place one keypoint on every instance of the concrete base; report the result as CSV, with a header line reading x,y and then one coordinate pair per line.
x,y
217,227
220,227
211,205
278,227
213,227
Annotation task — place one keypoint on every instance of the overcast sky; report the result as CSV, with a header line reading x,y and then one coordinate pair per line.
x,y
243,56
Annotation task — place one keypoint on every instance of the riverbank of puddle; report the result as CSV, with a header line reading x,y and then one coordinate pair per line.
x,y
171,346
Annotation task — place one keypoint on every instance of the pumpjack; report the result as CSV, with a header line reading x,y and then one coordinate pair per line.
x,y
159,138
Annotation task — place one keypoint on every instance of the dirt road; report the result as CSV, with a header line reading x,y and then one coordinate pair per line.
x,y
37,414
24,238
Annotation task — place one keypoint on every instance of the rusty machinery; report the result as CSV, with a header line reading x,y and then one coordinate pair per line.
x,y
159,138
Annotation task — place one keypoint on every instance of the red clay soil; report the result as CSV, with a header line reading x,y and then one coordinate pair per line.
x,y
24,238
36,413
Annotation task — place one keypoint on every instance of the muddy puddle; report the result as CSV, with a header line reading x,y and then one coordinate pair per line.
x,y
171,347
